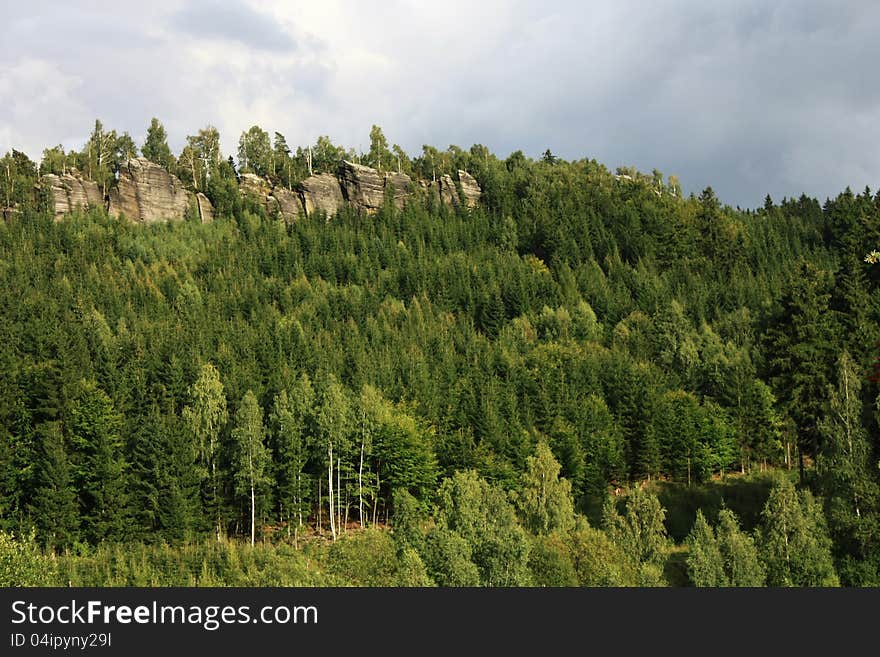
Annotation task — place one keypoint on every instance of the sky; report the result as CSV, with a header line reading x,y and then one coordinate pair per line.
x,y
750,97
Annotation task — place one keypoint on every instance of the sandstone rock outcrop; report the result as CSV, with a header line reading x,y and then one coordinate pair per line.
x,y
362,186
321,192
448,192
147,193
470,189
401,188
279,201
288,202
71,192
259,190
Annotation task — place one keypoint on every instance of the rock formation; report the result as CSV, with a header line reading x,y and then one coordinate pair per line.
x,y
258,190
362,186
71,192
288,203
147,193
321,192
470,189
401,188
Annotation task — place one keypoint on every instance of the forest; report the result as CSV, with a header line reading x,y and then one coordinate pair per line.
x,y
590,379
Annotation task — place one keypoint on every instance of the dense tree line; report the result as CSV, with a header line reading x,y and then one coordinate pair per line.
x,y
439,366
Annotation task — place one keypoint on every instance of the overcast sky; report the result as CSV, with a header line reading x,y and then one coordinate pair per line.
x,y
749,97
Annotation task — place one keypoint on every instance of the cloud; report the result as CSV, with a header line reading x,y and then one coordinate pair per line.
x,y
748,97
235,22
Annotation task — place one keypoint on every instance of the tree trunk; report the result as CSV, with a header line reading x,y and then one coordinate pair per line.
x,y
330,484
361,485
253,514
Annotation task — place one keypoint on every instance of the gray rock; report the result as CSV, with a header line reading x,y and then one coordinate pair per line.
x,y
362,186
322,192
470,189
71,192
448,192
401,188
147,193
289,204
259,190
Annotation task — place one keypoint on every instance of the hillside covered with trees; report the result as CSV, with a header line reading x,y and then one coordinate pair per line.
x,y
588,379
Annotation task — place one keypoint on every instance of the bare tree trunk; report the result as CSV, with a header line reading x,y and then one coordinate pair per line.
x,y
361,484
253,514
330,484
338,493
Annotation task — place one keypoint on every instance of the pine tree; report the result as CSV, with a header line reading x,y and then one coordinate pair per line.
x,y
100,468
55,509
156,147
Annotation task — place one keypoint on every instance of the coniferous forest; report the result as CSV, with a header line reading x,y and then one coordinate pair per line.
x,y
589,379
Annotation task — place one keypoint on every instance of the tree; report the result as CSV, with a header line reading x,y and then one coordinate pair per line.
x,y
18,174
741,564
794,543
255,152
155,147
200,159
205,416
282,164
801,353
640,532
292,417
334,424
482,516
848,482
97,152
99,466
250,456
704,560
55,508
379,154
544,500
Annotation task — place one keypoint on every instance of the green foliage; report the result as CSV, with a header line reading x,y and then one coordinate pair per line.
x,y
848,482
449,559
629,331
639,532
482,516
741,564
705,562
544,500
793,542
22,563
156,147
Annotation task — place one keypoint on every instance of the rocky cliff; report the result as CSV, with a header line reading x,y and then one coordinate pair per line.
x,y
362,186
147,193
71,192
321,192
470,189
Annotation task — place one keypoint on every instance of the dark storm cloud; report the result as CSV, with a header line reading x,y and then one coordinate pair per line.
x,y
232,21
